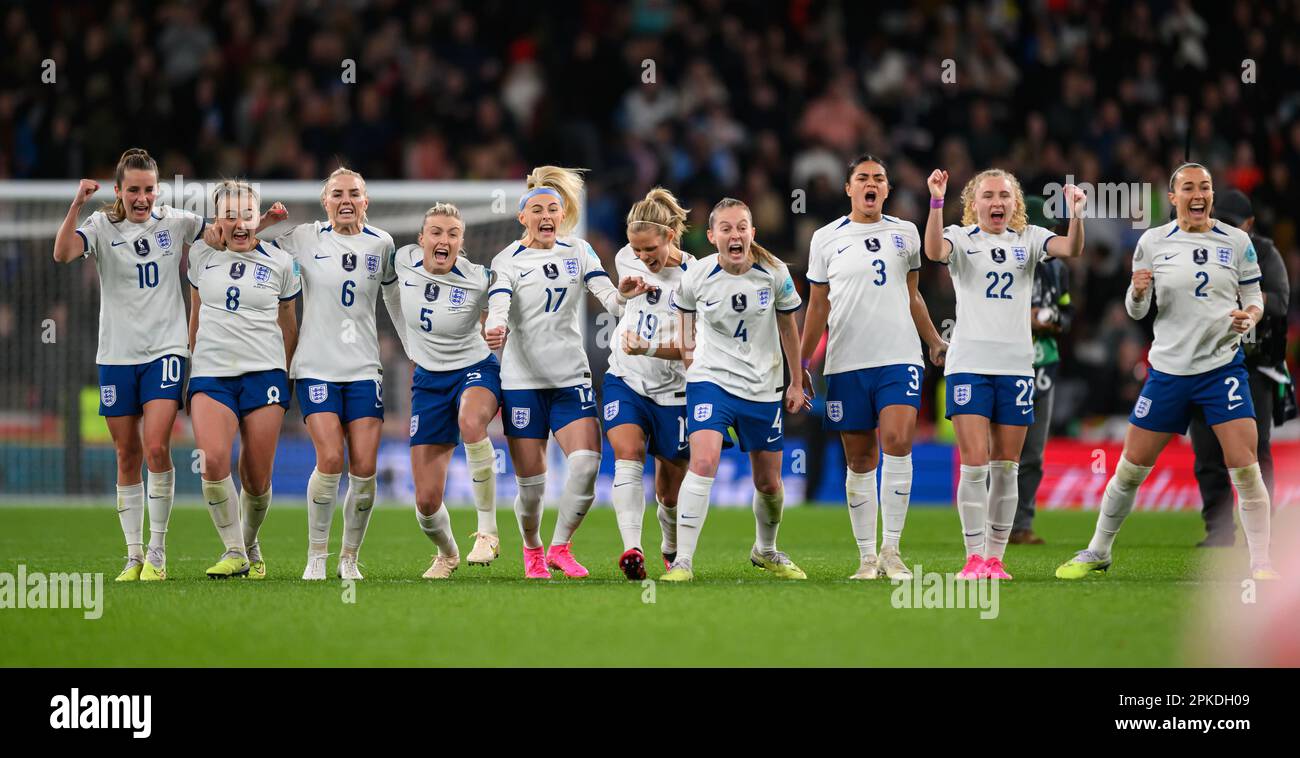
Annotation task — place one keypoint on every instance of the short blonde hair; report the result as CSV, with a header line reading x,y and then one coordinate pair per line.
x,y
1019,217
567,182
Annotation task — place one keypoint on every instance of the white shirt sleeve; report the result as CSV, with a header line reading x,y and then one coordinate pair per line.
x,y
1138,309
89,232
960,243
817,273
787,297
291,280
500,293
598,282
914,255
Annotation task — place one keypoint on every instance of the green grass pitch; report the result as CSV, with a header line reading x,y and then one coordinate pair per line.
x,y
732,615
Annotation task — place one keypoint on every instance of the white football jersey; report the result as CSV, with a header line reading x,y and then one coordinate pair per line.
x,y
865,267
1196,276
240,296
652,316
141,308
993,278
341,280
441,312
545,346
737,346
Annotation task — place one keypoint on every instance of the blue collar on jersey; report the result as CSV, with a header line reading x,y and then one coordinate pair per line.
x,y
1178,228
261,250
420,265
718,267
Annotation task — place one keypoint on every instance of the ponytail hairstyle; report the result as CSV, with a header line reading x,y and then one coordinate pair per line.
x,y
232,189
659,210
760,254
567,182
137,159
342,171
1019,217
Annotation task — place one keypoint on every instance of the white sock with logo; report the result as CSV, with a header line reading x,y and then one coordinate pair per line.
x,y
1117,503
629,501
357,505
973,506
253,508
162,493
860,489
895,495
480,457
438,529
1253,502
692,509
322,491
1004,496
667,527
528,509
579,493
223,506
767,519
130,513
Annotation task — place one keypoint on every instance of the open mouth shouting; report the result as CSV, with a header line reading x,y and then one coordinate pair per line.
x,y
441,254
546,227
241,237
1198,209
870,197
347,213
998,216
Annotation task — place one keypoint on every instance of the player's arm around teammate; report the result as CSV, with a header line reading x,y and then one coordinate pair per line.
x,y
345,266
456,389
863,269
545,377
1205,275
242,334
142,346
738,325
991,257
645,387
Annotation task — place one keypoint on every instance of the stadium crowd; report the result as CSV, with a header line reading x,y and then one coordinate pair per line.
x,y
710,98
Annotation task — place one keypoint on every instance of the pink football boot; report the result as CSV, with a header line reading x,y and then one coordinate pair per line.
x,y
994,569
561,557
974,565
535,563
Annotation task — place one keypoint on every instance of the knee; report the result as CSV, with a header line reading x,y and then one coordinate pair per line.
x,y
625,452
861,463
129,456
158,455
768,485
361,469
669,499
471,426
584,465
256,483
895,442
428,503
704,462
329,459
215,464
1129,476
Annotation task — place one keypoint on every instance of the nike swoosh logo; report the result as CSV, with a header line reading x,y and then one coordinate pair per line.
x,y
317,502
123,510
913,394
588,407
686,516
711,304
624,484
480,481
157,497
1026,411
774,439
1235,407
682,445
223,502
526,273
901,494
408,284
857,505
846,247
320,257
210,265
1167,257
167,386
115,244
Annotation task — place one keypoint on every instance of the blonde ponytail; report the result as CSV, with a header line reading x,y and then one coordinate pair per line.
x,y
567,182
658,210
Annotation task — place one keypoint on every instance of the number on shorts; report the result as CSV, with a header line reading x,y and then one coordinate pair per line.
x,y
1234,384
915,384
232,298
586,395
171,369
681,432
776,423
1026,394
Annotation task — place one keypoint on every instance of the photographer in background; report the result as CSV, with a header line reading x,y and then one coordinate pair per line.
x,y
1050,316
1269,382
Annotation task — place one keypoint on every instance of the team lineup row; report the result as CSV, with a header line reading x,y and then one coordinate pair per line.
x,y
699,351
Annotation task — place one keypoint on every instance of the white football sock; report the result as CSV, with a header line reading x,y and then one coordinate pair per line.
x,y
253,509
579,494
481,460
1116,504
972,506
162,493
629,501
438,529
130,512
860,490
1004,495
1253,501
767,519
895,494
528,508
223,506
322,490
667,527
357,506
692,509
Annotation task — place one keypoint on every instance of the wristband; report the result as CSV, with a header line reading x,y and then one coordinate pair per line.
x,y
936,202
